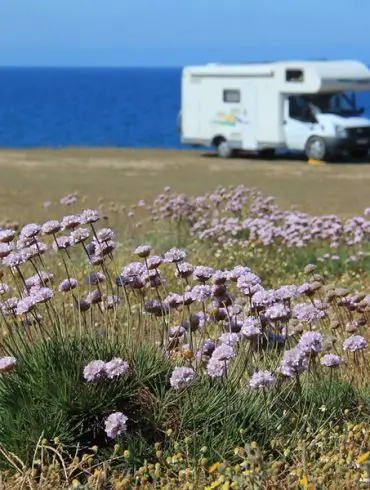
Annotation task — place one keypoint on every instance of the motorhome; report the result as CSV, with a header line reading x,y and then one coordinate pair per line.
x,y
308,106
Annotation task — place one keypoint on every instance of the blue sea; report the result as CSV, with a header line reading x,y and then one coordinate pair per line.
x,y
47,107
60,107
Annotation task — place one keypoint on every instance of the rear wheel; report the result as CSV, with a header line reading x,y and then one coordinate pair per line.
x,y
316,148
224,150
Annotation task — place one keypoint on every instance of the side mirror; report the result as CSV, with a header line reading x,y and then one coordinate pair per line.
x,y
311,118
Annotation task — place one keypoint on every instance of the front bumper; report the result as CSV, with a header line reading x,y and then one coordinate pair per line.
x,y
347,145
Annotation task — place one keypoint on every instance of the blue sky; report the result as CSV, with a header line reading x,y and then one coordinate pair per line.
x,y
178,32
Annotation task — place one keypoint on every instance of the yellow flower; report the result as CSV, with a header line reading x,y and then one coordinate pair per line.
x,y
215,484
364,457
126,453
214,467
304,482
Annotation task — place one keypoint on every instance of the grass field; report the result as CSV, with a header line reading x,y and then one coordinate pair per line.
x,y
30,177
196,336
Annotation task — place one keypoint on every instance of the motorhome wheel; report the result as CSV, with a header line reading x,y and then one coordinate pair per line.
x,y
224,150
316,148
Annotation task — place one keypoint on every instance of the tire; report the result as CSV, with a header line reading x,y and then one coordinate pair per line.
x,y
267,154
316,148
360,153
224,150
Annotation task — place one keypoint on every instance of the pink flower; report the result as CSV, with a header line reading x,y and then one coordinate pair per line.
x,y
262,379
115,424
7,364
94,370
68,200
50,227
143,251
116,367
182,377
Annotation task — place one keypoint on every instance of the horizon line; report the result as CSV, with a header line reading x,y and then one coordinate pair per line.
x,y
109,67
137,67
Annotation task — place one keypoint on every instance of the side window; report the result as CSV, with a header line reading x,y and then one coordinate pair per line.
x,y
300,109
231,96
295,107
294,76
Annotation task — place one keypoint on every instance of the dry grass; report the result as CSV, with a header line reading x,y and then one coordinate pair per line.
x,y
30,177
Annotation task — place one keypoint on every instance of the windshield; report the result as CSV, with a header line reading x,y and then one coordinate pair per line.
x,y
340,103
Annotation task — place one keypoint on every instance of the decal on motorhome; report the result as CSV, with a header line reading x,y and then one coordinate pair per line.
x,y
227,119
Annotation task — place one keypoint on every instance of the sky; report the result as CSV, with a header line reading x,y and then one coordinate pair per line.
x,y
179,32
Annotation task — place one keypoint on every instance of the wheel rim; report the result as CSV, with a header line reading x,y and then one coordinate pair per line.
x,y
316,149
224,149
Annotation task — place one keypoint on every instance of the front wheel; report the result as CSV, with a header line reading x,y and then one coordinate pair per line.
x,y
316,148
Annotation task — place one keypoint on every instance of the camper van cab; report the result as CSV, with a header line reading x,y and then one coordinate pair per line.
x,y
308,106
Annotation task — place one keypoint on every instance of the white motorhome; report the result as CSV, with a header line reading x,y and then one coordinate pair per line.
x,y
306,106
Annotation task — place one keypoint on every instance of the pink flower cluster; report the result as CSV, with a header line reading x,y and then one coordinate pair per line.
x,y
239,216
96,370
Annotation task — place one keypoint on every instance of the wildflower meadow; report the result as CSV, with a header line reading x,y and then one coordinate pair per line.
x,y
215,341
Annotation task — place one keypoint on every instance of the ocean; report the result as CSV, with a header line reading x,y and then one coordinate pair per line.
x,y
60,107
47,107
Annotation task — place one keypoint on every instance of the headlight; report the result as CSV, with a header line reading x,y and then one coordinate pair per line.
x,y
340,132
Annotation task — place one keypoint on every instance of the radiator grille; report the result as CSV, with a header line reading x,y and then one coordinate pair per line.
x,y
359,133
